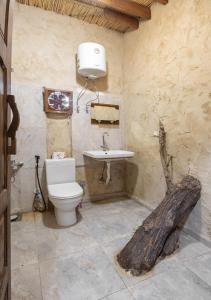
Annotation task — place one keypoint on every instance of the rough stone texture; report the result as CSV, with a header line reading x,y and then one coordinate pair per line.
x,y
167,76
44,48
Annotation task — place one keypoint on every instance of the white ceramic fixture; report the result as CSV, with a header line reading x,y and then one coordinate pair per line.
x,y
91,60
109,155
63,191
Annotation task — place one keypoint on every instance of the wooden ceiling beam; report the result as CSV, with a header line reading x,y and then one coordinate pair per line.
x,y
162,1
121,20
104,17
126,7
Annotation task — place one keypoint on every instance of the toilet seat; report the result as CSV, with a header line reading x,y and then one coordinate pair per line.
x,y
63,191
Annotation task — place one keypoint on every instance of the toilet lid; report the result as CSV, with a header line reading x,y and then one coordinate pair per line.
x,y
65,190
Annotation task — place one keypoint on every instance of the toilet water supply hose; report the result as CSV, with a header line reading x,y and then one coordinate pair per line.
x,y
39,203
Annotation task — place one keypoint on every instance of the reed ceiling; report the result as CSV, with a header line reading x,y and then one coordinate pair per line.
x,y
120,15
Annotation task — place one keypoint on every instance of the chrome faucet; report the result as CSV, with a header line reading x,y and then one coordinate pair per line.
x,y
105,145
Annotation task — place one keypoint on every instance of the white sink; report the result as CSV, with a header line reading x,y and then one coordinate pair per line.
x,y
109,155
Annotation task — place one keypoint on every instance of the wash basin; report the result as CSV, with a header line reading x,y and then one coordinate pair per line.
x,y
109,155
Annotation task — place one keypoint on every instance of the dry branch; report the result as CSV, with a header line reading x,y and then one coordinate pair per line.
x,y
166,159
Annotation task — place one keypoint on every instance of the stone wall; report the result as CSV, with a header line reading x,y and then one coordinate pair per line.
x,y
44,49
167,76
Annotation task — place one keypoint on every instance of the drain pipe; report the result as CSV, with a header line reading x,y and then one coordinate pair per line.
x,y
107,166
39,203
108,179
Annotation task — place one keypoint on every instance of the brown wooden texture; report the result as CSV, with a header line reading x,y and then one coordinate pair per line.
x,y
121,20
92,14
119,15
124,6
105,105
5,70
162,1
11,132
48,109
158,236
104,122
166,159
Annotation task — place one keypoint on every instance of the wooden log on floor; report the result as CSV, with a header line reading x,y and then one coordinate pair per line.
x,y
158,236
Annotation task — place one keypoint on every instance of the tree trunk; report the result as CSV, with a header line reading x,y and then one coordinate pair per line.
x,y
158,236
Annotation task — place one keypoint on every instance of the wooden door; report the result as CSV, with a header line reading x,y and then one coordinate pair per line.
x,y
7,144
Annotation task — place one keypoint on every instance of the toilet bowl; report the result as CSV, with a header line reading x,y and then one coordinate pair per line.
x,y
63,191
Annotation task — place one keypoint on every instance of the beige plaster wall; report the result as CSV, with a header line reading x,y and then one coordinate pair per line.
x,y
167,76
44,48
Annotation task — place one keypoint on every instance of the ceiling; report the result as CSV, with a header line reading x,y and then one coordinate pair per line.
x,y
120,15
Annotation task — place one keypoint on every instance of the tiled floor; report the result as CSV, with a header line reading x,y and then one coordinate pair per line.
x,y
78,263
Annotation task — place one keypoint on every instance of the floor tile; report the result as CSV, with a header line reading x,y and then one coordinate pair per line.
x,y
79,262
45,220
26,283
201,266
88,275
106,227
112,220
23,249
177,284
126,206
26,224
109,227
190,247
114,247
62,242
121,295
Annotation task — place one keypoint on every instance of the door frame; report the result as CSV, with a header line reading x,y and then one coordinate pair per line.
x,y
5,63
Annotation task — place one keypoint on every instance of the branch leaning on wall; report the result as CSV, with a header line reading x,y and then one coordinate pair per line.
x,y
166,159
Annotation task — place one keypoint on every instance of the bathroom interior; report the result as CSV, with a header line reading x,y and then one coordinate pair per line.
x,y
97,85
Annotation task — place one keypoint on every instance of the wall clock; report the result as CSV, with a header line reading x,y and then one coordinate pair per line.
x,y
58,101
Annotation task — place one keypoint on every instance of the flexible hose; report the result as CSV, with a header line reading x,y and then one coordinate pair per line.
x,y
36,208
39,185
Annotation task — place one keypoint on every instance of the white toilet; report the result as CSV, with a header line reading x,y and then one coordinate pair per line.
x,y
63,191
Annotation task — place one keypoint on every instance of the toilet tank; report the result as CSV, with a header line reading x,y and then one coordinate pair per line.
x,y
60,170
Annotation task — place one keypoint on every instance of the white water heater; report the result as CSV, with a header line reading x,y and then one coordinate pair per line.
x,y
91,60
